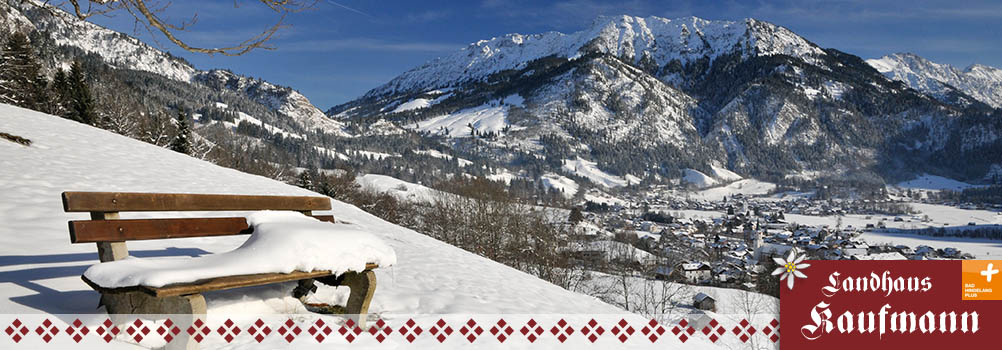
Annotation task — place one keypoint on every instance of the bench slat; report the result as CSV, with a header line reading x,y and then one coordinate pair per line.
x,y
220,283
128,201
91,231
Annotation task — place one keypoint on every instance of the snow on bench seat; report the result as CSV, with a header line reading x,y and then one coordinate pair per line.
x,y
282,242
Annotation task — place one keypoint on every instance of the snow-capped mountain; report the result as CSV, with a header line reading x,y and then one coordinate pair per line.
x,y
648,98
637,40
122,51
281,99
117,49
981,82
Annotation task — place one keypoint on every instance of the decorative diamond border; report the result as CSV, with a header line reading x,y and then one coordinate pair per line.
x,y
543,330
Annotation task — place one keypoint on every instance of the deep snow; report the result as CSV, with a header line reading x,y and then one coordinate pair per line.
x,y
282,242
41,269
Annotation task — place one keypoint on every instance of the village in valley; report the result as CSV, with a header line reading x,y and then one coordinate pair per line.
x,y
731,241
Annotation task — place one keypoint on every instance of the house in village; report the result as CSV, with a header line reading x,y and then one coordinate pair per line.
x,y
702,301
695,272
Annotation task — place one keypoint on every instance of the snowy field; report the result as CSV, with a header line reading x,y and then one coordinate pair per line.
x,y
490,117
934,183
41,270
951,218
698,179
746,187
400,189
561,184
590,171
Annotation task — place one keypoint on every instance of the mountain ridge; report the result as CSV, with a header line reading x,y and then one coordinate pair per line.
x,y
763,102
982,82
627,36
126,52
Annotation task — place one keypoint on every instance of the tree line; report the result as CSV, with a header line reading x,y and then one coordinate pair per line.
x,y
23,83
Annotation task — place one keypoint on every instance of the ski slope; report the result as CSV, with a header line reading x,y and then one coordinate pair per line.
x,y
40,273
400,189
746,187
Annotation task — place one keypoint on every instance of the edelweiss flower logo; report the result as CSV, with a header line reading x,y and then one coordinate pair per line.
x,y
790,267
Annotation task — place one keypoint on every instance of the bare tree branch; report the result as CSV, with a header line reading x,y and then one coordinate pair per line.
x,y
148,15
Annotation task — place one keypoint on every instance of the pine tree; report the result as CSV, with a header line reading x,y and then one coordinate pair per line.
x,y
18,70
181,142
44,97
61,92
81,103
575,216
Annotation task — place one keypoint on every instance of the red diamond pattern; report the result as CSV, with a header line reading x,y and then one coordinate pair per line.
x,y
683,330
289,330
562,330
320,331
168,330
410,330
380,330
744,331
198,330
592,330
137,330
107,330
502,330
622,330
16,330
471,330
350,330
713,331
440,330
532,330
76,330
258,330
772,330
228,330
653,330
47,330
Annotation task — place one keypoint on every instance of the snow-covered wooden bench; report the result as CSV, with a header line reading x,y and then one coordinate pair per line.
x,y
110,234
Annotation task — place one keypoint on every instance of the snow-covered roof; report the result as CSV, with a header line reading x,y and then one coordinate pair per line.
x,y
879,256
695,266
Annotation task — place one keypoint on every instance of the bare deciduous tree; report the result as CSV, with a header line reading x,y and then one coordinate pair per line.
x,y
149,14
157,129
754,307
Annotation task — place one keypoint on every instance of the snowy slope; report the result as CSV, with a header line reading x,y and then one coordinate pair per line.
x,y
933,182
483,119
660,39
697,178
561,184
42,269
590,171
281,99
117,49
982,82
125,52
401,189
723,174
746,187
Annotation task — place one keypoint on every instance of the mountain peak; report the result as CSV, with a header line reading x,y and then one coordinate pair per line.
x,y
629,37
981,82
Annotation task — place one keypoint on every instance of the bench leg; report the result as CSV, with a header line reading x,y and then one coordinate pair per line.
x,y
182,310
362,286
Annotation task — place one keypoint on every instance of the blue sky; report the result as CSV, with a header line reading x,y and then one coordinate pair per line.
x,y
340,49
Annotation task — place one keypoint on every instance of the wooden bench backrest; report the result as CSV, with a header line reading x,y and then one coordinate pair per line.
x,y
110,233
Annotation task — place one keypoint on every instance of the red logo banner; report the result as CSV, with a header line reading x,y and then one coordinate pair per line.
x,y
892,305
